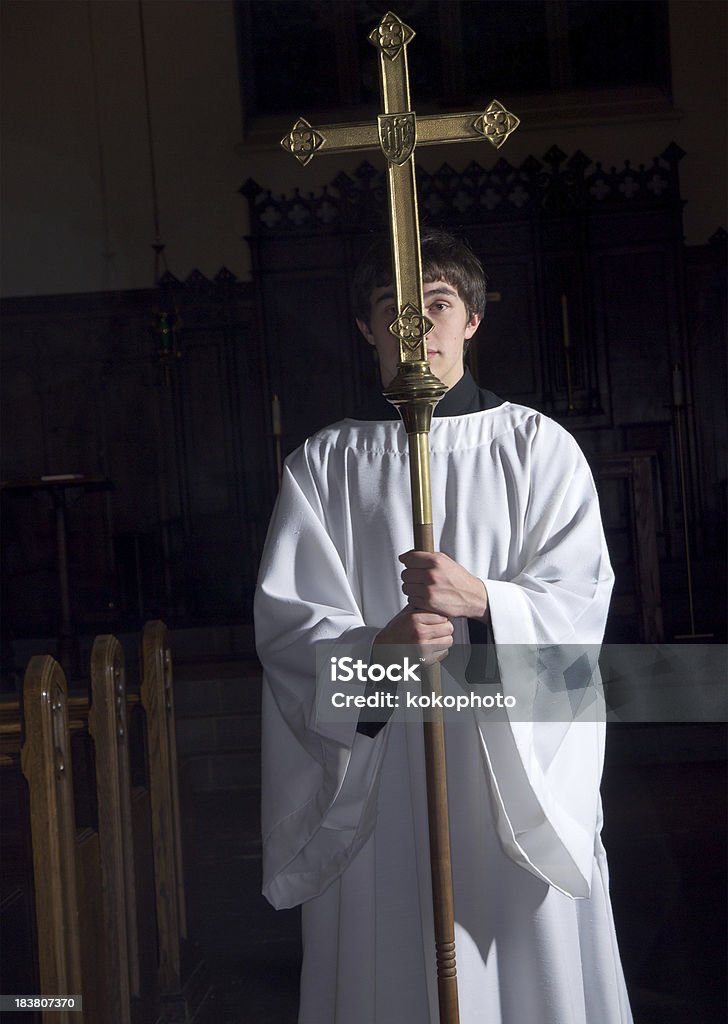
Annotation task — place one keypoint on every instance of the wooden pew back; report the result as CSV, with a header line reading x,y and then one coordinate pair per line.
x,y
158,702
18,938
108,727
46,760
103,804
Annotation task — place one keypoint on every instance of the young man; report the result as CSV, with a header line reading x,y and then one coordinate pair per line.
x,y
521,554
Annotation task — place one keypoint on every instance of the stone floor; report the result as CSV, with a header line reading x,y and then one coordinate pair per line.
x,y
665,808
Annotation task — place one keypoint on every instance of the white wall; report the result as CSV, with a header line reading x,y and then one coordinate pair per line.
x,y
61,155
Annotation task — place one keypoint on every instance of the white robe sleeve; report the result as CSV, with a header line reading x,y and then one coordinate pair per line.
x,y
319,779
546,774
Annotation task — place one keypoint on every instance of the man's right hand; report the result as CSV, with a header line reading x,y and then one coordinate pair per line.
x,y
431,634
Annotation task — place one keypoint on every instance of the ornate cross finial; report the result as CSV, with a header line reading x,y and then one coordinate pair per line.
x,y
397,132
391,35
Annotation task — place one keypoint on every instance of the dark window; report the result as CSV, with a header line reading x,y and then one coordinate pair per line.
x,y
293,51
617,43
300,56
504,47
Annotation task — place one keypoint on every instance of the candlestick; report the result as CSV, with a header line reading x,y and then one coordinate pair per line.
x,y
565,322
678,403
567,354
276,418
678,393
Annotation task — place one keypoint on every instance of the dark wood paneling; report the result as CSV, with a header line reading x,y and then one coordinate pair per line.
x,y
311,339
507,342
184,442
636,316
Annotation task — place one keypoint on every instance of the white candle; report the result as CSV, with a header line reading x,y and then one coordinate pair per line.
x,y
565,321
678,395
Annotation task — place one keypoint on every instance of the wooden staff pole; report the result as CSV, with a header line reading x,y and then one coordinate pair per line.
x,y
435,766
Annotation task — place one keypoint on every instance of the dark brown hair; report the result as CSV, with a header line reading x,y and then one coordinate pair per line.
x,y
445,257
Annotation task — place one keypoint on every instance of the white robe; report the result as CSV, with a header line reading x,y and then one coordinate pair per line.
x,y
344,815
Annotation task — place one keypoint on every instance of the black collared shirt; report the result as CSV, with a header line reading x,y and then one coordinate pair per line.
x,y
462,398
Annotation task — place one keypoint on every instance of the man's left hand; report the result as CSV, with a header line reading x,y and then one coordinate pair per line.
x,y
433,582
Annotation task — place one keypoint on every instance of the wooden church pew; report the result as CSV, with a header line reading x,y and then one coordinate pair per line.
x,y
184,983
93,806
140,827
125,835
61,858
157,696
18,960
108,727
104,811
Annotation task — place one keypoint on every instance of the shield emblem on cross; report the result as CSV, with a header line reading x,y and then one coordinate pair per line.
x,y
397,136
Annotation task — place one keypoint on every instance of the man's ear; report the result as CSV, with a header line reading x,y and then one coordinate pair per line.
x,y
472,325
365,330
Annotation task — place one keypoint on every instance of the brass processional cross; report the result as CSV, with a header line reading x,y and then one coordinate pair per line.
x,y
415,390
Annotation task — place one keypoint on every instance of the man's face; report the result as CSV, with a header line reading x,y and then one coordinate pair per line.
x,y
452,327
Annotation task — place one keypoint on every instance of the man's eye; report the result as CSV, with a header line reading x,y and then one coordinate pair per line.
x,y
438,306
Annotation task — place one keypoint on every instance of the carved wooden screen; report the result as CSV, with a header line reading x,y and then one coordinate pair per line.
x,y
586,269
566,243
